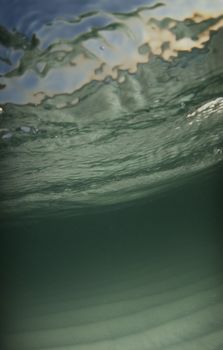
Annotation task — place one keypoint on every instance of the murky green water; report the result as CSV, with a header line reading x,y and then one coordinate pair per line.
x,y
111,141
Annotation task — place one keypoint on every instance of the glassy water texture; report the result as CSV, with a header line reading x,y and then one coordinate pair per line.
x,y
107,107
111,147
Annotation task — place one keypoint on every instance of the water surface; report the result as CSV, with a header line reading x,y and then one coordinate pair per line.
x,y
111,147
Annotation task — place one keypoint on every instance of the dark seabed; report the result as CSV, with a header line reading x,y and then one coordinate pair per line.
x,y
111,149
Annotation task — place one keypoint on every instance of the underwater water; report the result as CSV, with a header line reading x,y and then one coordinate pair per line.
x,y
111,149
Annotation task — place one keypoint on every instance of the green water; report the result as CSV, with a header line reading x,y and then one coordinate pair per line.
x,y
144,277
111,148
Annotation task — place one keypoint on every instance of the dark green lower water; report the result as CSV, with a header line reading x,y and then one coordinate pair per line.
x,y
148,276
